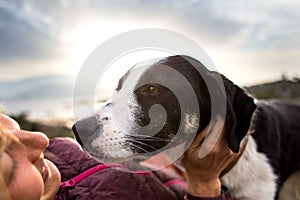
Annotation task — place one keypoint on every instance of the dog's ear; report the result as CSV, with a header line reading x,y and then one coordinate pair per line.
x,y
240,107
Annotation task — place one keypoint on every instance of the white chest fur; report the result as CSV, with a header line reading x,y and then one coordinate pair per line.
x,y
252,178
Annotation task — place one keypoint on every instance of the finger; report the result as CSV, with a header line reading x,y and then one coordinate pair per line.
x,y
213,137
9,123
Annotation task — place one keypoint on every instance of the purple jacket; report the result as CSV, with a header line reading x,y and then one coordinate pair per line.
x,y
108,183
83,177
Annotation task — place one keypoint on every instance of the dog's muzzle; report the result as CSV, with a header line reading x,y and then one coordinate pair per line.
x,y
85,128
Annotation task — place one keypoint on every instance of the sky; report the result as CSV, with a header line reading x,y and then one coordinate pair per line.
x,y
250,42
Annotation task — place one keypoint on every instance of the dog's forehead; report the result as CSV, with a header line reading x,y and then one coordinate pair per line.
x,y
171,70
139,70
155,68
161,67
130,80
147,63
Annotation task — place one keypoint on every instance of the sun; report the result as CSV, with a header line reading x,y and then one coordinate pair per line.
x,y
85,38
82,40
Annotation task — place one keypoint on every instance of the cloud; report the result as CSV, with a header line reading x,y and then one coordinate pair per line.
x,y
24,34
266,24
261,34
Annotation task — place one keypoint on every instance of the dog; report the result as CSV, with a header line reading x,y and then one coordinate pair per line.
x,y
117,130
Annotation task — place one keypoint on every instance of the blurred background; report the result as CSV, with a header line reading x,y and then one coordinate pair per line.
x,y
43,44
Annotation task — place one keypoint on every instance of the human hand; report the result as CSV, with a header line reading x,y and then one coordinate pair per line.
x,y
9,123
203,174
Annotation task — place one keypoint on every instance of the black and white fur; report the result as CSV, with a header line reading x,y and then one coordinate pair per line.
x,y
270,156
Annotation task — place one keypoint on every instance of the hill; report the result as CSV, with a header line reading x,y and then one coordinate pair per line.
x,y
284,90
51,129
37,87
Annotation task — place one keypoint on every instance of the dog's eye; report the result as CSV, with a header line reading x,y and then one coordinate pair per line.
x,y
152,90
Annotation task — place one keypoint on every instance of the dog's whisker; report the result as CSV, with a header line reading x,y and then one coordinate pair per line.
x,y
139,142
142,149
138,147
139,135
142,143
152,139
145,137
149,139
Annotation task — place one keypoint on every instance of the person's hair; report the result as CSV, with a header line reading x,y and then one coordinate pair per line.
x,y
5,139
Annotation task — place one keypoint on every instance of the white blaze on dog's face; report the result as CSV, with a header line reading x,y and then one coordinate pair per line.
x,y
117,119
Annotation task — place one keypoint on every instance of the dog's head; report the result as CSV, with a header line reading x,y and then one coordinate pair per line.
x,y
127,124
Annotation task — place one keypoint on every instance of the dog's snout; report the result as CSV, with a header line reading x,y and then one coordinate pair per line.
x,y
85,128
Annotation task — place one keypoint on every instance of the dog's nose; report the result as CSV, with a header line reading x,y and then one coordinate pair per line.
x,y
76,135
84,128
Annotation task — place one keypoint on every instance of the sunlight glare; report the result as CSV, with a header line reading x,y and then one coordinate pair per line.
x,y
85,38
